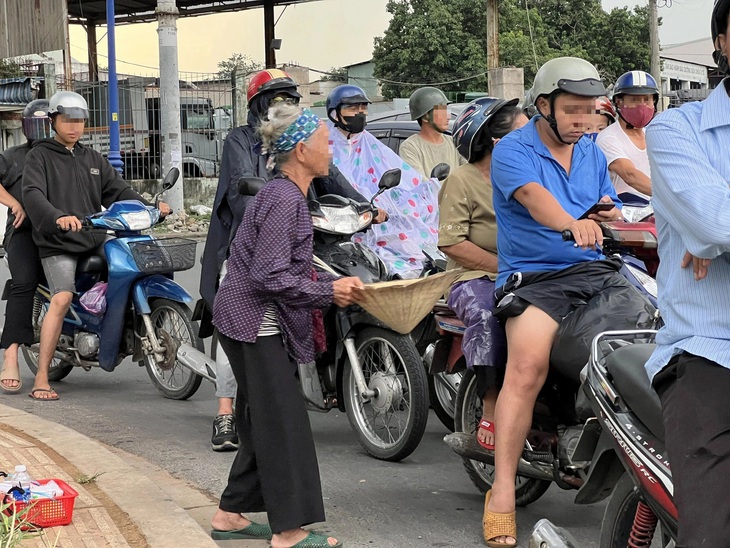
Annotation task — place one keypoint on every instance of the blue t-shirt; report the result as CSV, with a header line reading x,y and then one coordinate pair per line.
x,y
524,245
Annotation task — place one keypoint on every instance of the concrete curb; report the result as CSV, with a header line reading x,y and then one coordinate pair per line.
x,y
157,507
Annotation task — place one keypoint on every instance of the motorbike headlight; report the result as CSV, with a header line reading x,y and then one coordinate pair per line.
x,y
139,220
645,280
341,220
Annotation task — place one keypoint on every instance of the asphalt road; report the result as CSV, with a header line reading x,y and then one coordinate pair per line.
x,y
425,500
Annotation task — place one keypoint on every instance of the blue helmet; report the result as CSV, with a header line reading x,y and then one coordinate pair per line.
x,y
475,117
636,82
346,94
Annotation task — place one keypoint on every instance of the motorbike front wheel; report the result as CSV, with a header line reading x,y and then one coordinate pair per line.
x,y
59,369
466,419
389,426
171,321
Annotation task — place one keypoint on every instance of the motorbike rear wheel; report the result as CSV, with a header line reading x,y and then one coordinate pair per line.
x,y
466,418
442,391
390,426
59,369
172,319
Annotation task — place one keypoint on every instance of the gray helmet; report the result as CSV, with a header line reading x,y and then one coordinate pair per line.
x,y
570,75
424,100
69,103
528,104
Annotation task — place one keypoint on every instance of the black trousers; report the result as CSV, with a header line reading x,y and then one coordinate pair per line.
x,y
26,272
275,470
694,394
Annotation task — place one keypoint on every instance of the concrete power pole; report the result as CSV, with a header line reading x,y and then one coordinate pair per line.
x,y
170,137
656,70
492,34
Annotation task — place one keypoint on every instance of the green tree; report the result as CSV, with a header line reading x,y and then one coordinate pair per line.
x,y
9,69
432,41
335,74
240,62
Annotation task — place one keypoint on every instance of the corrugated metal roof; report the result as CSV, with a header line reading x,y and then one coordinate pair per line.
x,y
16,91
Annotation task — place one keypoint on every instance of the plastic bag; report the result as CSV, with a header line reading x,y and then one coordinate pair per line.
x,y
616,308
94,300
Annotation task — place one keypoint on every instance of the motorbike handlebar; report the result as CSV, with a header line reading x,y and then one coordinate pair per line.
x,y
567,236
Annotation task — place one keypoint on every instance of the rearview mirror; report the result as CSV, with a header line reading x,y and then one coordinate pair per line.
x,y
170,179
390,179
250,186
440,171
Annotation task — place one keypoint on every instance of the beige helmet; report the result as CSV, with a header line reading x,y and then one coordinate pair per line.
x,y
570,75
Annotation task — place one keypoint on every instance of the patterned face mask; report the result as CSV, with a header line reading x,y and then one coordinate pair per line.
x,y
301,130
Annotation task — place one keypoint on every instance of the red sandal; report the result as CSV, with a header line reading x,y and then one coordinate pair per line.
x,y
484,424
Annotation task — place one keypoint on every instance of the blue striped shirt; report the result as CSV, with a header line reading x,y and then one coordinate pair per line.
x,y
690,169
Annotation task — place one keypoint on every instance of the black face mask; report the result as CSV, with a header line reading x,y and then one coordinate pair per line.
x,y
352,124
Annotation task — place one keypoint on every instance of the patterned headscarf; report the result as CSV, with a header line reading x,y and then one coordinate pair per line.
x,y
301,130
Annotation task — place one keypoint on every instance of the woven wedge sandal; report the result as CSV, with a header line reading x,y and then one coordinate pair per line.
x,y
496,525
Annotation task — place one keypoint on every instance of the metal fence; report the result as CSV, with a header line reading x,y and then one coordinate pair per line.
x,y
205,120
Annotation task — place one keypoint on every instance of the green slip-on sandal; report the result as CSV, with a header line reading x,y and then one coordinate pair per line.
x,y
315,540
255,531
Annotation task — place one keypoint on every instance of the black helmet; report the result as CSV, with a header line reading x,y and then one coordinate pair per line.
x,y
718,26
36,123
472,122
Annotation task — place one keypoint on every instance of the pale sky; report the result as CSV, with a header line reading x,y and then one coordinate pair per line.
x,y
320,35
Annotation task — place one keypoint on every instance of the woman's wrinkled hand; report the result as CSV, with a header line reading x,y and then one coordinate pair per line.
x,y
347,290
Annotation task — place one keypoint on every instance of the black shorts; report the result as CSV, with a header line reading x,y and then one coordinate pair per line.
x,y
557,293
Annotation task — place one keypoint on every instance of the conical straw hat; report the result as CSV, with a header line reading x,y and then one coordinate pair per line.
x,y
402,304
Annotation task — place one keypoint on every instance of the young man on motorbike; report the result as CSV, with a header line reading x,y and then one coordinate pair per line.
x,y
545,176
64,181
242,157
691,366
25,265
624,144
430,146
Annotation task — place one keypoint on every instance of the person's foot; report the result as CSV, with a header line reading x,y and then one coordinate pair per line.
x,y
485,433
225,436
287,539
41,393
228,521
10,377
502,505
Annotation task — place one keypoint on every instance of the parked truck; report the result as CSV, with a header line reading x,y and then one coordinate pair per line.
x,y
203,128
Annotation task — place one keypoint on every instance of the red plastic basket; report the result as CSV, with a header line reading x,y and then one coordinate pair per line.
x,y
49,512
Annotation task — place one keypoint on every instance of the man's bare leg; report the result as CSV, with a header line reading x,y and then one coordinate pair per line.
x,y
529,340
50,332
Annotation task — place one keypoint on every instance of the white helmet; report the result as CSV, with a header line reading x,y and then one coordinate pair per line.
x,y
570,75
69,103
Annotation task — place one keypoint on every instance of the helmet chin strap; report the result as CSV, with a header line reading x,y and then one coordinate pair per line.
x,y
338,124
550,119
428,118
628,125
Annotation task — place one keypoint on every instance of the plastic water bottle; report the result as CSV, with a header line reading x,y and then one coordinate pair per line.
x,y
22,478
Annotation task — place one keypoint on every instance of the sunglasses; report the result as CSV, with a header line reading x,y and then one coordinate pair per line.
x,y
284,101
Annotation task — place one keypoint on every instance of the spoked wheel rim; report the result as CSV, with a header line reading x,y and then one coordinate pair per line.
x,y
385,420
446,393
470,421
169,324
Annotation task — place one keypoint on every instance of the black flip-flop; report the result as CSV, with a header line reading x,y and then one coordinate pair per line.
x,y
54,397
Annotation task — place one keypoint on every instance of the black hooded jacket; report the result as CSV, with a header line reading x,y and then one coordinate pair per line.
x,y
58,182
12,161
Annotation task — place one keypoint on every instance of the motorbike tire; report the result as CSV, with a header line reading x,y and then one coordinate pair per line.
x,y
466,418
186,331
410,385
442,404
59,369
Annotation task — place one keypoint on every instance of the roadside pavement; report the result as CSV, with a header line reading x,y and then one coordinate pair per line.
x,y
123,499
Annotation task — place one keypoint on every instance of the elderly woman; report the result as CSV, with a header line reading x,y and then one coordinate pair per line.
x,y
468,236
264,313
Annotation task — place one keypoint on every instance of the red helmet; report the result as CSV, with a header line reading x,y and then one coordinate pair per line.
x,y
271,79
605,107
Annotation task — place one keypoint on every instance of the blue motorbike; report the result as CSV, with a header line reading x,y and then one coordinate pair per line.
x,y
147,315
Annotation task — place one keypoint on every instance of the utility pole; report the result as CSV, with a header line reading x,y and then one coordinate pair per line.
x,y
114,155
492,34
656,70
170,141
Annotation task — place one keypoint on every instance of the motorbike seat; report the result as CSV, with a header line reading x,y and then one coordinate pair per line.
x,y
626,366
91,264
449,322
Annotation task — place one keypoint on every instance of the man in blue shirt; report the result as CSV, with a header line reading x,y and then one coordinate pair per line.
x,y
688,148
544,178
